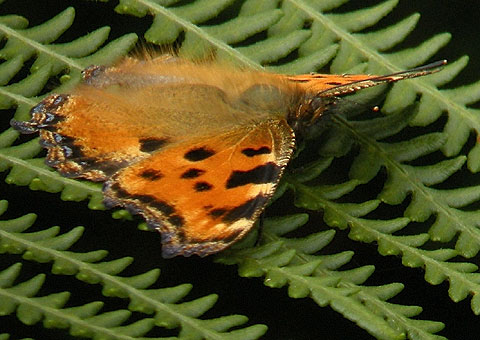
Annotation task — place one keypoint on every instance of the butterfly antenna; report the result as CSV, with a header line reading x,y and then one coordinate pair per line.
x,y
389,78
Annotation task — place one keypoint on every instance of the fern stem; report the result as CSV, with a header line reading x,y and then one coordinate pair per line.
x,y
18,98
89,187
11,33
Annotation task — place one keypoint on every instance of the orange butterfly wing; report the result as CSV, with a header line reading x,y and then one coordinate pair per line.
x,y
205,195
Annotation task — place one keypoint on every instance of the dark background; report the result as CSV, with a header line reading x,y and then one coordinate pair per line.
x,y
286,318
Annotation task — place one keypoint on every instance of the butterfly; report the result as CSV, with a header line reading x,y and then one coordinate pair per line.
x,y
196,148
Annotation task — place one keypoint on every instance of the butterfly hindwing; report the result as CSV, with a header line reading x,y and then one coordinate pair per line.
x,y
203,196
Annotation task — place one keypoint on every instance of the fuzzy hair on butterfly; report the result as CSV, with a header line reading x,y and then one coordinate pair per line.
x,y
196,148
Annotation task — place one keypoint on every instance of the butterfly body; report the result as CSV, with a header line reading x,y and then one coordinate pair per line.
x,y
196,148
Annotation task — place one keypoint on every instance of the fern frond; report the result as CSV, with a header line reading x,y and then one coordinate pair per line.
x,y
402,180
84,320
47,246
285,261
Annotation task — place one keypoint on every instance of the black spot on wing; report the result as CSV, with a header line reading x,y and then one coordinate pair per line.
x,y
144,198
246,210
266,173
176,220
215,213
199,154
251,152
107,167
192,173
163,207
151,174
115,187
151,144
202,186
